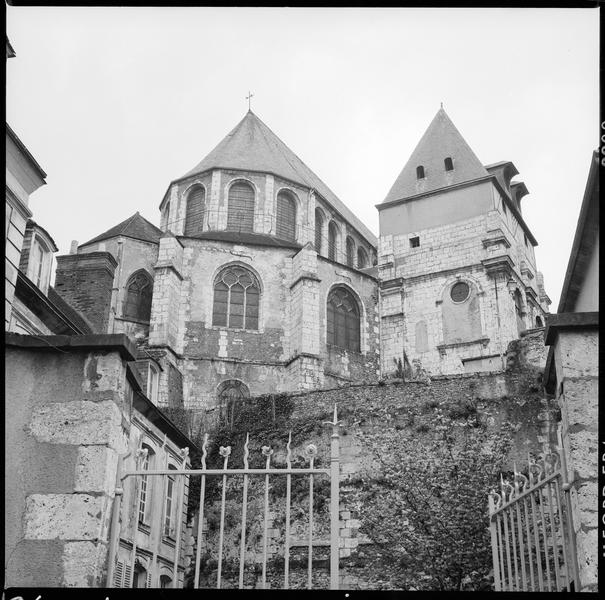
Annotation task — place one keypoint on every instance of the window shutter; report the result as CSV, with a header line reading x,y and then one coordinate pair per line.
x,y
118,575
127,581
148,579
285,217
240,212
196,204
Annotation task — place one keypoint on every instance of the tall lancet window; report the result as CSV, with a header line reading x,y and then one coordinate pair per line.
x,y
196,206
362,258
137,300
332,239
286,216
319,226
350,252
240,210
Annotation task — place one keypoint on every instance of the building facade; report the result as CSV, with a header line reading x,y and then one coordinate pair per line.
x,y
456,263
259,280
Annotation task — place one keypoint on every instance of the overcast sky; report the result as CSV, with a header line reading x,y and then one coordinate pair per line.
x,y
114,103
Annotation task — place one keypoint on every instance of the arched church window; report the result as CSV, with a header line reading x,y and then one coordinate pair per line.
x,y
236,299
332,237
362,258
196,206
165,216
230,394
350,252
286,216
240,210
518,302
539,322
449,164
137,301
319,225
343,320
420,172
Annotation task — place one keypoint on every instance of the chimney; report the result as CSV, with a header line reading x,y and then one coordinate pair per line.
x,y
73,249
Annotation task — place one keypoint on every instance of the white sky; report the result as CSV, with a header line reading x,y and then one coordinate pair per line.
x,y
114,103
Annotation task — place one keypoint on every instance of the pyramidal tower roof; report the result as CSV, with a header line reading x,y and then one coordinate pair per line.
x,y
440,140
252,146
136,227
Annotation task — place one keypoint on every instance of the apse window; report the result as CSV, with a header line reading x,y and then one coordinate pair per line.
x,y
414,242
449,164
460,292
420,172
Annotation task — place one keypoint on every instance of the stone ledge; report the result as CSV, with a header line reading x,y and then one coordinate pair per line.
x,y
118,342
559,321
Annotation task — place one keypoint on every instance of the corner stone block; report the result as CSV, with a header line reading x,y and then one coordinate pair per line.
x,y
63,516
83,564
79,423
96,470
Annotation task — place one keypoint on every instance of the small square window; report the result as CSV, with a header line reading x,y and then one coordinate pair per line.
x,y
414,242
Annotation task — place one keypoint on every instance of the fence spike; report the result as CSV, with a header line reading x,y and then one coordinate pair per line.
x,y
289,451
204,450
246,451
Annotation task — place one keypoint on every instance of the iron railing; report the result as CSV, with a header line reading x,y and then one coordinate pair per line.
x,y
531,526
226,472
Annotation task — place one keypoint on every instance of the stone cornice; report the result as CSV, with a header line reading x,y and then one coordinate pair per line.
x,y
558,322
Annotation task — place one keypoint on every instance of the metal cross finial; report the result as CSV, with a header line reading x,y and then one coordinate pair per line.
x,y
248,97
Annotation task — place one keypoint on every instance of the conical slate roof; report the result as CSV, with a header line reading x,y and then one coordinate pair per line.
x,y
252,146
440,140
136,227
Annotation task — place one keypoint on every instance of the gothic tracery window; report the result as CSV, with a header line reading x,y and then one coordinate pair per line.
x,y
230,393
236,299
137,301
240,210
285,216
343,320
196,206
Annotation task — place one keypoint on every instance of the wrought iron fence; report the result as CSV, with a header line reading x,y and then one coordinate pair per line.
x,y
246,473
531,526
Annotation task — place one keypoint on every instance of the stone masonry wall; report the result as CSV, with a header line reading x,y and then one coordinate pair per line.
x,y
67,420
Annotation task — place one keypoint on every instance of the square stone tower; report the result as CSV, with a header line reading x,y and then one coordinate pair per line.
x,y
457,270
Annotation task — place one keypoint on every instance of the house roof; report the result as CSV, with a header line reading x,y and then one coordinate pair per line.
x,y
252,146
440,140
136,227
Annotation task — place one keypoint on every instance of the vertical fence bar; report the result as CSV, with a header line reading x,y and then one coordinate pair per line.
x,y
224,452
114,532
200,522
532,500
508,560
514,544
266,450
529,551
568,573
179,506
555,545
310,555
494,539
566,485
242,550
500,550
334,502
545,539
520,528
288,501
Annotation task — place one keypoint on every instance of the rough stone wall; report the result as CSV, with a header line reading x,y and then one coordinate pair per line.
x,y
85,282
65,428
403,413
576,364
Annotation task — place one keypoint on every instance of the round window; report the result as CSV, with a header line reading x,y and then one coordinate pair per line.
x,y
460,291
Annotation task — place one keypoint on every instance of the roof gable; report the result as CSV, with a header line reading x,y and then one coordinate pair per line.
x,y
136,227
252,146
440,140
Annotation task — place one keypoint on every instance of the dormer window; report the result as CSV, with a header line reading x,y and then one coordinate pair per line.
x,y
420,172
449,164
37,262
